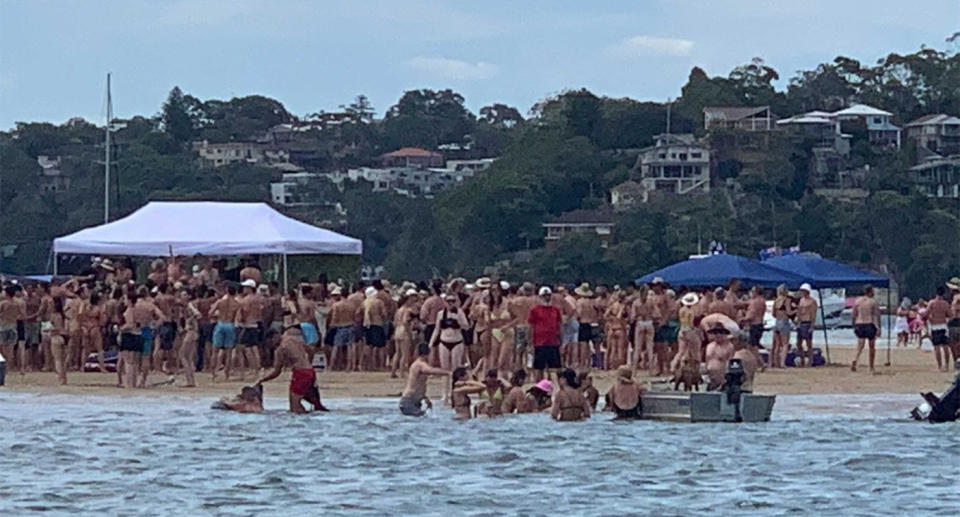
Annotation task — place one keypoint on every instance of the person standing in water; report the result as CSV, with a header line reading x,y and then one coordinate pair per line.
x,y
415,393
545,320
292,353
624,396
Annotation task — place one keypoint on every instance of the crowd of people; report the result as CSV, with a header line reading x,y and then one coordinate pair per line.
x,y
194,315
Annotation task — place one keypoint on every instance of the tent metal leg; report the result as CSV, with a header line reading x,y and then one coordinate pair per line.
x,y
285,275
888,326
823,321
55,261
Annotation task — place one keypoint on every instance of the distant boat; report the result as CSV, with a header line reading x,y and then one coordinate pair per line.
x,y
834,305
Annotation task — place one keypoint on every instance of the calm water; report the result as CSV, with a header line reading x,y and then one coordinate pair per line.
x,y
839,455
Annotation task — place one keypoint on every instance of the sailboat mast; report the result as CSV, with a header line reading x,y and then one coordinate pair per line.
x,y
106,158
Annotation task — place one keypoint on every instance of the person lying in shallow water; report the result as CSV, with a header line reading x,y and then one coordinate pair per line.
x,y
250,400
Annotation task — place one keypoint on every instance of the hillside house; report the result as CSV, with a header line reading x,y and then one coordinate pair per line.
x,y
938,177
938,133
223,154
595,223
412,157
627,195
757,118
876,121
52,178
675,163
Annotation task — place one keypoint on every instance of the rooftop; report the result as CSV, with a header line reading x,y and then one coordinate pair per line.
x,y
935,119
861,110
411,152
733,113
582,216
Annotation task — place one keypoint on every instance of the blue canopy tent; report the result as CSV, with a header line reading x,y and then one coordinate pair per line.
x,y
820,273
717,270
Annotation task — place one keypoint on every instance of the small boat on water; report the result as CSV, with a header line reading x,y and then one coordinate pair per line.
x,y
730,404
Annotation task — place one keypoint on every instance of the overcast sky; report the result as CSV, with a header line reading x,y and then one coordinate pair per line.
x,y
313,55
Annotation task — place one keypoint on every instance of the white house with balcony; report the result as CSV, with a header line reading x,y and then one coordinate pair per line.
x,y
676,163
877,122
938,133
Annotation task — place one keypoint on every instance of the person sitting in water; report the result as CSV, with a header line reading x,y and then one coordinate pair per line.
x,y
250,400
539,397
462,386
415,393
589,391
569,405
292,353
491,398
624,397
514,400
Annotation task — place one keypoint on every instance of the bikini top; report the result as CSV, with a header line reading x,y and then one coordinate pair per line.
x,y
449,323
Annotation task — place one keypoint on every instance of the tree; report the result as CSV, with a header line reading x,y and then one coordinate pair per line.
x,y
176,117
427,118
500,116
361,109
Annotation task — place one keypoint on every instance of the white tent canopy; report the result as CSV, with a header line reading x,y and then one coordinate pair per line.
x,y
208,228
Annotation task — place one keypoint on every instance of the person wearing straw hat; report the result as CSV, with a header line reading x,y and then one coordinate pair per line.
x,y
624,397
953,326
689,336
806,315
719,352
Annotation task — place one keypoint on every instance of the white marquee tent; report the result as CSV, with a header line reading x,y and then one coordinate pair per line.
x,y
163,228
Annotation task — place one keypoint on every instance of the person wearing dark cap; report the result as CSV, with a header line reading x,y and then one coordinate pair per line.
x,y
719,352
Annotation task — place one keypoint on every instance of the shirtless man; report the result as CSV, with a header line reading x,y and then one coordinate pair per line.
x,y
166,330
719,352
756,309
224,311
806,315
340,332
723,305
658,301
9,314
374,331
251,272
293,353
250,400
866,325
938,314
415,393
31,328
519,308
953,326
589,316
249,325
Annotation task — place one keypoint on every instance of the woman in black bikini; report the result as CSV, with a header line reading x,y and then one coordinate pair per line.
x,y
448,333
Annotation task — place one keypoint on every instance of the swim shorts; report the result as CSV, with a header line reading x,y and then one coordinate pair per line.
x,y
8,337
939,337
584,332
756,334
865,330
31,334
410,406
302,380
166,333
342,336
521,337
224,335
571,331
953,329
146,340
545,357
329,336
251,336
783,326
131,342
805,330
375,336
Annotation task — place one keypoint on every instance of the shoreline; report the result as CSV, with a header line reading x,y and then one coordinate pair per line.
x,y
912,371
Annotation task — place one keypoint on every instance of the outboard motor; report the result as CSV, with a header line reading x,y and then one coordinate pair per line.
x,y
945,408
732,389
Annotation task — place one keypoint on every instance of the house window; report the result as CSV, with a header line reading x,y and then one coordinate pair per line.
x,y
877,120
683,156
673,155
696,155
663,156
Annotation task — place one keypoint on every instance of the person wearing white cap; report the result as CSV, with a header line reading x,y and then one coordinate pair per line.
x,y
545,321
374,331
806,315
251,331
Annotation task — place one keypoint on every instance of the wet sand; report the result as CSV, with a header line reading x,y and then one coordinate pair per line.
x,y
912,371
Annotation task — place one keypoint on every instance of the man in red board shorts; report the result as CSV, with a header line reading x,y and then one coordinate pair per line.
x,y
292,352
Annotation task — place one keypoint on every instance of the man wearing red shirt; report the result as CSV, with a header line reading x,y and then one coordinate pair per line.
x,y
545,320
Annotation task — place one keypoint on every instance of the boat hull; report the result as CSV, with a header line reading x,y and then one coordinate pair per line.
x,y
706,407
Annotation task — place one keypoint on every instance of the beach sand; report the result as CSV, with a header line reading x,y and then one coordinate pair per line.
x,y
912,371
